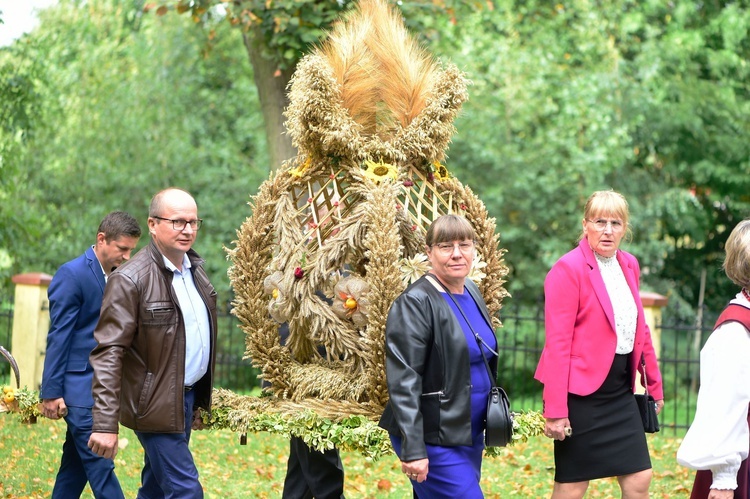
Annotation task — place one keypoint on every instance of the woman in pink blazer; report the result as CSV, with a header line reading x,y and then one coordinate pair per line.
x,y
596,335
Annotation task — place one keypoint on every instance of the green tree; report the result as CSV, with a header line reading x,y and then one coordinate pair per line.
x,y
108,101
692,134
277,34
131,104
647,98
543,127
21,121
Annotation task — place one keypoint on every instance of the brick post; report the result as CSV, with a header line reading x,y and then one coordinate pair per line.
x,y
30,326
652,305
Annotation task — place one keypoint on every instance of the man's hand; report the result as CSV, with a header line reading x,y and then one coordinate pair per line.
x,y
103,444
54,408
197,423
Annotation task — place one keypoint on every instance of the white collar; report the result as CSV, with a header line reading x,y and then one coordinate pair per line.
x,y
185,263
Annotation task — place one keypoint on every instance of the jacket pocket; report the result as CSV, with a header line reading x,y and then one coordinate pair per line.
x,y
431,403
433,394
159,314
145,397
77,367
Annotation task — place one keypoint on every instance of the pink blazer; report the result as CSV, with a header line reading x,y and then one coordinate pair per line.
x,y
580,336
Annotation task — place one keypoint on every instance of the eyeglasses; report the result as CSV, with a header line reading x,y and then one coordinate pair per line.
x,y
181,224
449,248
601,224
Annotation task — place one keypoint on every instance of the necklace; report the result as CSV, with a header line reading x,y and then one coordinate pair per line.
x,y
746,294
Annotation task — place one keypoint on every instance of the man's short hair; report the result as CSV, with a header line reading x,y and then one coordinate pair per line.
x,y
117,224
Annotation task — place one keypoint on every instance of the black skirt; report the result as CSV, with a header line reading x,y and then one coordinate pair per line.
x,y
608,437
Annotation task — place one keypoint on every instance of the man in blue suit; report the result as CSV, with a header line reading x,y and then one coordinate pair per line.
x,y
75,297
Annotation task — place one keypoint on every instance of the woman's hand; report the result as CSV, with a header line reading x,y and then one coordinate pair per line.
x,y
659,406
416,470
557,428
720,494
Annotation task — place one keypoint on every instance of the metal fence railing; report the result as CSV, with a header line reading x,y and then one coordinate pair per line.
x,y
522,337
6,330
232,371
520,342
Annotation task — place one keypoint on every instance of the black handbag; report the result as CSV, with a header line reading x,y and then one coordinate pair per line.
x,y
647,405
498,430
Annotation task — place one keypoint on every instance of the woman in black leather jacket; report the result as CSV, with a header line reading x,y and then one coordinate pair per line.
x,y
437,377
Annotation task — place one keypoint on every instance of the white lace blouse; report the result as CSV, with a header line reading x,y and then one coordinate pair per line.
x,y
623,303
718,438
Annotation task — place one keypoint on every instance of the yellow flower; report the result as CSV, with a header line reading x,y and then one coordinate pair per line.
x,y
349,300
300,170
413,268
440,171
379,171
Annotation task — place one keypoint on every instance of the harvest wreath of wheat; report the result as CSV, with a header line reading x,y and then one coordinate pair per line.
x,y
371,114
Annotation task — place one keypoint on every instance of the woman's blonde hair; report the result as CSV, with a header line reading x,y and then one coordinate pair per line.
x,y
737,248
607,203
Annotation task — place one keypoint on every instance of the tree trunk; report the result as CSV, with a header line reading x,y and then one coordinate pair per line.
x,y
271,83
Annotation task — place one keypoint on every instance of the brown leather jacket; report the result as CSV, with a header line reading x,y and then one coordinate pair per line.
x,y
139,362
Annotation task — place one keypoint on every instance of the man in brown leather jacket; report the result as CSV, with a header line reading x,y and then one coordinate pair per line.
x,y
154,362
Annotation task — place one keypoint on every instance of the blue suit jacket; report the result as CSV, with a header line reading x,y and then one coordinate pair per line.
x,y
75,298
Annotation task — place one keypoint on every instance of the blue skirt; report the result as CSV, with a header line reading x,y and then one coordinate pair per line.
x,y
454,472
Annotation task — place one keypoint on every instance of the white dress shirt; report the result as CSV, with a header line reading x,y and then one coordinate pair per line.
x,y
623,303
718,439
195,317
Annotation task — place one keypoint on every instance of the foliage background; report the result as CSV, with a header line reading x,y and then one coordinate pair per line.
x,y
108,101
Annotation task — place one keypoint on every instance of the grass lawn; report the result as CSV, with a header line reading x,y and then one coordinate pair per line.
x,y
31,454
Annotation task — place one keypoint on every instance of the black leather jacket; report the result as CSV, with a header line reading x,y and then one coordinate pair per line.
x,y
428,371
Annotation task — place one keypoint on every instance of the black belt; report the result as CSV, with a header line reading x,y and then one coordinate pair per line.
x,y
188,388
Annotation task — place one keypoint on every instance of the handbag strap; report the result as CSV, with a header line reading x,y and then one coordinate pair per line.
x,y
479,339
643,372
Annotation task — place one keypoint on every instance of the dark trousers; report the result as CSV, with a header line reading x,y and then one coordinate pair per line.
x,y
169,471
79,465
313,474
